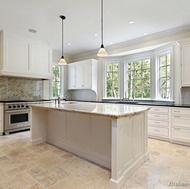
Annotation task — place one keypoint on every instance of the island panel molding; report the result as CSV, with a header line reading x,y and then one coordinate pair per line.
x,y
111,135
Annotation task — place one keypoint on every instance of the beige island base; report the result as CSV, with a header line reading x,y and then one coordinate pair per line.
x,y
111,135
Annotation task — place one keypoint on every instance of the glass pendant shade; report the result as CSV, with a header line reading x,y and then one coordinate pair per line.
x,y
102,52
62,61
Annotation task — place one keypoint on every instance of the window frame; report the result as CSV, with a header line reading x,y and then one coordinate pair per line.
x,y
111,61
126,61
62,81
157,88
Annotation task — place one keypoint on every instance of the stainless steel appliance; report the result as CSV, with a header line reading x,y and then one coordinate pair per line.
x,y
16,116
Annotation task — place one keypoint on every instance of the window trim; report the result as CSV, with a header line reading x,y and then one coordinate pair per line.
x,y
62,81
105,62
157,55
126,61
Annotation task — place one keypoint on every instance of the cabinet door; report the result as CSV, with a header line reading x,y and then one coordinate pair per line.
x,y
1,119
16,49
40,57
80,76
88,75
185,65
181,134
71,77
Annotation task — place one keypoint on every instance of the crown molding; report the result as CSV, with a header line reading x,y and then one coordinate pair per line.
x,y
171,32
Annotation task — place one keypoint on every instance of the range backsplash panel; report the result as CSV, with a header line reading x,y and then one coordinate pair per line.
x,y
20,89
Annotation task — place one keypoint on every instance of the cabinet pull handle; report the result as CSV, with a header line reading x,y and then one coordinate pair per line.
x,y
177,111
177,116
156,109
177,129
156,130
156,122
156,116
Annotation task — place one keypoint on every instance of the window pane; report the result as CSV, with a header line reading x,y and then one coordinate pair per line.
x,y
138,94
164,76
115,67
163,82
146,64
138,74
109,67
56,81
112,77
163,71
146,93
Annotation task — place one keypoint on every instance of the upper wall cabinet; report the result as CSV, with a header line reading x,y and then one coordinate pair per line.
x,y
185,55
23,57
83,75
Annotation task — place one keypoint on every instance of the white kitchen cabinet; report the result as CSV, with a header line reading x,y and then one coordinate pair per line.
x,y
1,119
71,72
158,123
185,58
24,57
82,75
180,125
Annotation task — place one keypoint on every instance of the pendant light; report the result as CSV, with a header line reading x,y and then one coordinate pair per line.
x,y
102,52
62,60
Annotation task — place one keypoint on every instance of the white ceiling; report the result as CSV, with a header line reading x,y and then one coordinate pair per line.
x,y
83,20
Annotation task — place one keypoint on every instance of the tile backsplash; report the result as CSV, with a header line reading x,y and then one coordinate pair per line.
x,y
23,89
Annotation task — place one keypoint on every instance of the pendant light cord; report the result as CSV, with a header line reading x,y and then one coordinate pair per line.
x,y
62,37
102,21
62,17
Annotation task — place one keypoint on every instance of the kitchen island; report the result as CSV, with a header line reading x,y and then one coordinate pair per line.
x,y
111,135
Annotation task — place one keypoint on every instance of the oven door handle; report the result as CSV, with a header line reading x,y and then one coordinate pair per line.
x,y
14,111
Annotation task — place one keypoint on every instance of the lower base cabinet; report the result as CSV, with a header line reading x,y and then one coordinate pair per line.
x,y
170,124
158,131
180,134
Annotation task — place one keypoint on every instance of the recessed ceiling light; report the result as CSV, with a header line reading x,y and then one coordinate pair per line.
x,y
145,33
32,31
95,34
69,44
111,43
131,22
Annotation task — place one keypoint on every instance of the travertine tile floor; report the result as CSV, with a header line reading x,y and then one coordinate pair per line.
x,y
45,166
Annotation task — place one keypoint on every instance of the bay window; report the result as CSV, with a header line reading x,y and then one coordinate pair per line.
x,y
141,78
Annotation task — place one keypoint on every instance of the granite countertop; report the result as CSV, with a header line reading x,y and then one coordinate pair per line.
x,y
109,110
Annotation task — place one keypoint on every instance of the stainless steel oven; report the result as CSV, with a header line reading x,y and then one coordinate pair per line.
x,y
16,117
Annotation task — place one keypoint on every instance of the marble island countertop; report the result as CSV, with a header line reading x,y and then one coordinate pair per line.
x,y
101,109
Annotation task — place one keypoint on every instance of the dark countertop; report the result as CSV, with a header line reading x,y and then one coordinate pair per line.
x,y
11,101
151,103
147,103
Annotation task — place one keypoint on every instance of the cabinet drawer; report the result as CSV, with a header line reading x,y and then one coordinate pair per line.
x,y
158,116
158,109
158,123
180,121
181,134
181,111
158,131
